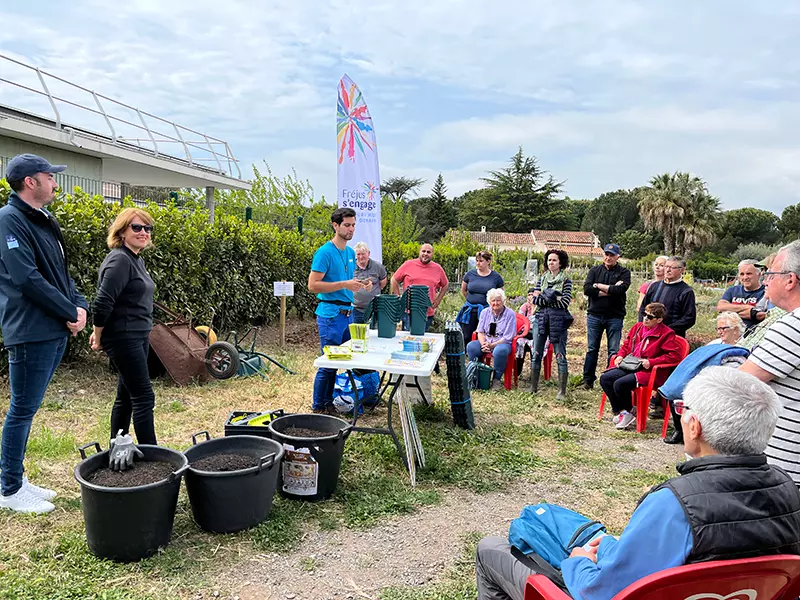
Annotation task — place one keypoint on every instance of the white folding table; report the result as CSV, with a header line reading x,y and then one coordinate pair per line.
x,y
377,358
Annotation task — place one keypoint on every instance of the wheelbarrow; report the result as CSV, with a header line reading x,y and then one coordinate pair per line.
x,y
180,347
225,359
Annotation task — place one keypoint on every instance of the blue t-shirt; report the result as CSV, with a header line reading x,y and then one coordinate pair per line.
x,y
478,285
335,265
738,295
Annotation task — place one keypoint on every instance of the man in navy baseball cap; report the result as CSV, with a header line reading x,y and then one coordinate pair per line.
x,y
40,307
612,248
28,165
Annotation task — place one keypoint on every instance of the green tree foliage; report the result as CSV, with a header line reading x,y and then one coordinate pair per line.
x,y
680,207
577,212
637,244
517,198
790,222
750,225
398,226
757,251
272,200
435,213
612,213
400,188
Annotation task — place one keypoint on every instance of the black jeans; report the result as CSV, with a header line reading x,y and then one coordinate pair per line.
x,y
618,386
135,395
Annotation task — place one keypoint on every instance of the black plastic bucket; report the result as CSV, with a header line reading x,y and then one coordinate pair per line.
x,y
228,501
310,466
128,524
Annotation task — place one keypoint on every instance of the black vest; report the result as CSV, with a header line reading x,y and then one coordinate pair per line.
x,y
737,507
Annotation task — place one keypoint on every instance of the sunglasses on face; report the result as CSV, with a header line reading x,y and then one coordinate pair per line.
x,y
649,316
723,328
137,228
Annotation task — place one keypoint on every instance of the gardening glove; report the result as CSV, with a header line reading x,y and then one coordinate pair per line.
x,y
122,452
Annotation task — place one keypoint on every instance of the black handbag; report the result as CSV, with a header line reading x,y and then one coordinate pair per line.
x,y
630,363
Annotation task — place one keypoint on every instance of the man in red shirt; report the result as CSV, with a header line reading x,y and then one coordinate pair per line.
x,y
422,271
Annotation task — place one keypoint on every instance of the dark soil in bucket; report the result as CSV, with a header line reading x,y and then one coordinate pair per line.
x,y
227,461
142,473
303,432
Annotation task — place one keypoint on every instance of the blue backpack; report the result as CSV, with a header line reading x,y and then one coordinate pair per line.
x,y
551,531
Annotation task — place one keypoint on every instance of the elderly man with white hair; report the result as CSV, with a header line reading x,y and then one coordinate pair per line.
x,y
776,359
367,269
742,298
727,503
497,326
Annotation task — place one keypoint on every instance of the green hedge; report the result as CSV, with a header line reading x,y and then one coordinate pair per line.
x,y
227,268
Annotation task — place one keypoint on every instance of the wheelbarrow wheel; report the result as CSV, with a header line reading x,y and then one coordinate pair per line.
x,y
222,360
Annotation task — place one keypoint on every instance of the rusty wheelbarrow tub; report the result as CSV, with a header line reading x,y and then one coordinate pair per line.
x,y
180,348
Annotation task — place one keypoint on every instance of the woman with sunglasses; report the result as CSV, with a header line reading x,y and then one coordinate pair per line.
x,y
652,342
123,317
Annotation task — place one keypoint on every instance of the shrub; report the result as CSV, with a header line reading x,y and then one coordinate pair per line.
x,y
756,251
226,269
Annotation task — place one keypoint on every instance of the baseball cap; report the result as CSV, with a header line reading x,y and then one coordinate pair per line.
x,y
612,248
27,165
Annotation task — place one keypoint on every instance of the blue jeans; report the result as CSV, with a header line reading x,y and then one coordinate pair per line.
x,y
30,367
406,318
559,350
595,326
333,331
499,356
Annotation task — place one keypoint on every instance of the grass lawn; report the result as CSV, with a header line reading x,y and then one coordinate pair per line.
x,y
558,449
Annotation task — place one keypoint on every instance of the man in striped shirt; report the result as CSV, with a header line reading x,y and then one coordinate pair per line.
x,y
776,360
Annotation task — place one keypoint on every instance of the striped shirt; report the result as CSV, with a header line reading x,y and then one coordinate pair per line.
x,y
779,354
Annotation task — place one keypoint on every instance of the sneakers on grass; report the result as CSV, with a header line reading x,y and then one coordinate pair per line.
x,y
25,501
615,419
625,420
43,493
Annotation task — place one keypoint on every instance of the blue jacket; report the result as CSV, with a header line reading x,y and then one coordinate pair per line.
x,y
37,295
705,356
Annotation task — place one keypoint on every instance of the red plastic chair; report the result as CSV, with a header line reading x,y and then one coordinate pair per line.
x,y
641,395
510,374
547,362
763,578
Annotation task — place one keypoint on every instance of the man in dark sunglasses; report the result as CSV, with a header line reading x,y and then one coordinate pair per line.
x,y
39,309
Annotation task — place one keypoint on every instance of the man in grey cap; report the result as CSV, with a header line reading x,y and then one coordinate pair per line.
x,y
39,308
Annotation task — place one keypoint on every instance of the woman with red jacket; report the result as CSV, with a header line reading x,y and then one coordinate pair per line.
x,y
654,343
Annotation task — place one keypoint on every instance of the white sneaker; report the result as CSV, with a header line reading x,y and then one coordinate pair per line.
x,y
41,492
625,419
25,501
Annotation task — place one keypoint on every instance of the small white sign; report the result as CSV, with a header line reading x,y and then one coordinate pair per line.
x,y
284,288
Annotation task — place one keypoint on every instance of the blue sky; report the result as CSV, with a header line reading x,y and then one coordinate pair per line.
x,y
605,93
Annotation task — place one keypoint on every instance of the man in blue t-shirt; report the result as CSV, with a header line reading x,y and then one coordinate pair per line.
x,y
332,280
742,298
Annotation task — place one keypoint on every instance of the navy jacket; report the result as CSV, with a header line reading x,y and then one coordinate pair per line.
x,y
37,295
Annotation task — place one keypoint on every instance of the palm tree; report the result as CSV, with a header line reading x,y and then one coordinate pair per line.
x,y
680,207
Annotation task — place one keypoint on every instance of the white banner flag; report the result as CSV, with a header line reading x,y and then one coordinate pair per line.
x,y
358,180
